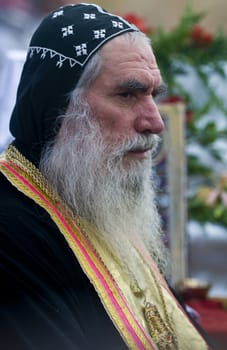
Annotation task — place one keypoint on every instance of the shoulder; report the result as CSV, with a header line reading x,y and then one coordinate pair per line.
x,y
20,215
34,254
28,235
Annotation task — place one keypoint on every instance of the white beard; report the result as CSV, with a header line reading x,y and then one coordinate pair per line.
x,y
95,184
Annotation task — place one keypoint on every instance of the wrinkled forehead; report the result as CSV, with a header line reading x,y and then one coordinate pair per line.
x,y
129,43
129,55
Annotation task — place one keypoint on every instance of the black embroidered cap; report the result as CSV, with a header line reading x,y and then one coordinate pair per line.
x,y
60,48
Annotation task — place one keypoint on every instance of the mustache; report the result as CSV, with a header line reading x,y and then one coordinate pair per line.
x,y
138,143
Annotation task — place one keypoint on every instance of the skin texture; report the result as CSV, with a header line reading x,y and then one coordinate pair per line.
x,y
122,96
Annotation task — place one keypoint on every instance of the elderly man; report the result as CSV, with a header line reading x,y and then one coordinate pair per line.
x,y
81,255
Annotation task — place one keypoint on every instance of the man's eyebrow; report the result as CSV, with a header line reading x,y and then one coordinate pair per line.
x,y
133,85
160,91
136,85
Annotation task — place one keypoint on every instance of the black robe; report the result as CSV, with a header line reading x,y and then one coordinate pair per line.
x,y
46,301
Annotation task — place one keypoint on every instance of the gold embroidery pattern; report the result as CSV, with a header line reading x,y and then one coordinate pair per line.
x,y
13,155
159,331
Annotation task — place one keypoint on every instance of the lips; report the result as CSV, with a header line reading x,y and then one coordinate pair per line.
x,y
140,149
140,144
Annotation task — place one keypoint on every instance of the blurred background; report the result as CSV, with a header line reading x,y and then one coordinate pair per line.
x,y
190,42
166,13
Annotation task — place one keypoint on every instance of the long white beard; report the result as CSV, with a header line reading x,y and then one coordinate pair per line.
x,y
92,179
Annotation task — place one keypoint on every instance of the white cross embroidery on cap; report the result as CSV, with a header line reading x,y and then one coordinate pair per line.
x,y
117,24
67,31
99,34
60,61
57,14
44,52
81,49
89,16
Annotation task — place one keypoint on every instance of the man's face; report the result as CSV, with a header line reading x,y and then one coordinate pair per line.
x,y
122,96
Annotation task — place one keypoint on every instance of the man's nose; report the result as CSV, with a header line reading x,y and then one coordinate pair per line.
x,y
148,119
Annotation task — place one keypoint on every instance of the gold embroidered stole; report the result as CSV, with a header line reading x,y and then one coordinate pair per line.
x,y
152,322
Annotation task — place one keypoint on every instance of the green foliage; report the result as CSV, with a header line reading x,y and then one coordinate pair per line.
x,y
195,167
189,45
203,213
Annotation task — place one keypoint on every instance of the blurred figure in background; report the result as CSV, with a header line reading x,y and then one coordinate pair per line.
x,y
15,24
18,20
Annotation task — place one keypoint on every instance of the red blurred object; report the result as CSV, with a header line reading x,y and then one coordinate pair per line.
x,y
196,32
193,289
193,294
140,22
207,38
173,99
213,316
200,37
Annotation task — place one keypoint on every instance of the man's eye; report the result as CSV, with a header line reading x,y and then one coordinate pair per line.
x,y
125,94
